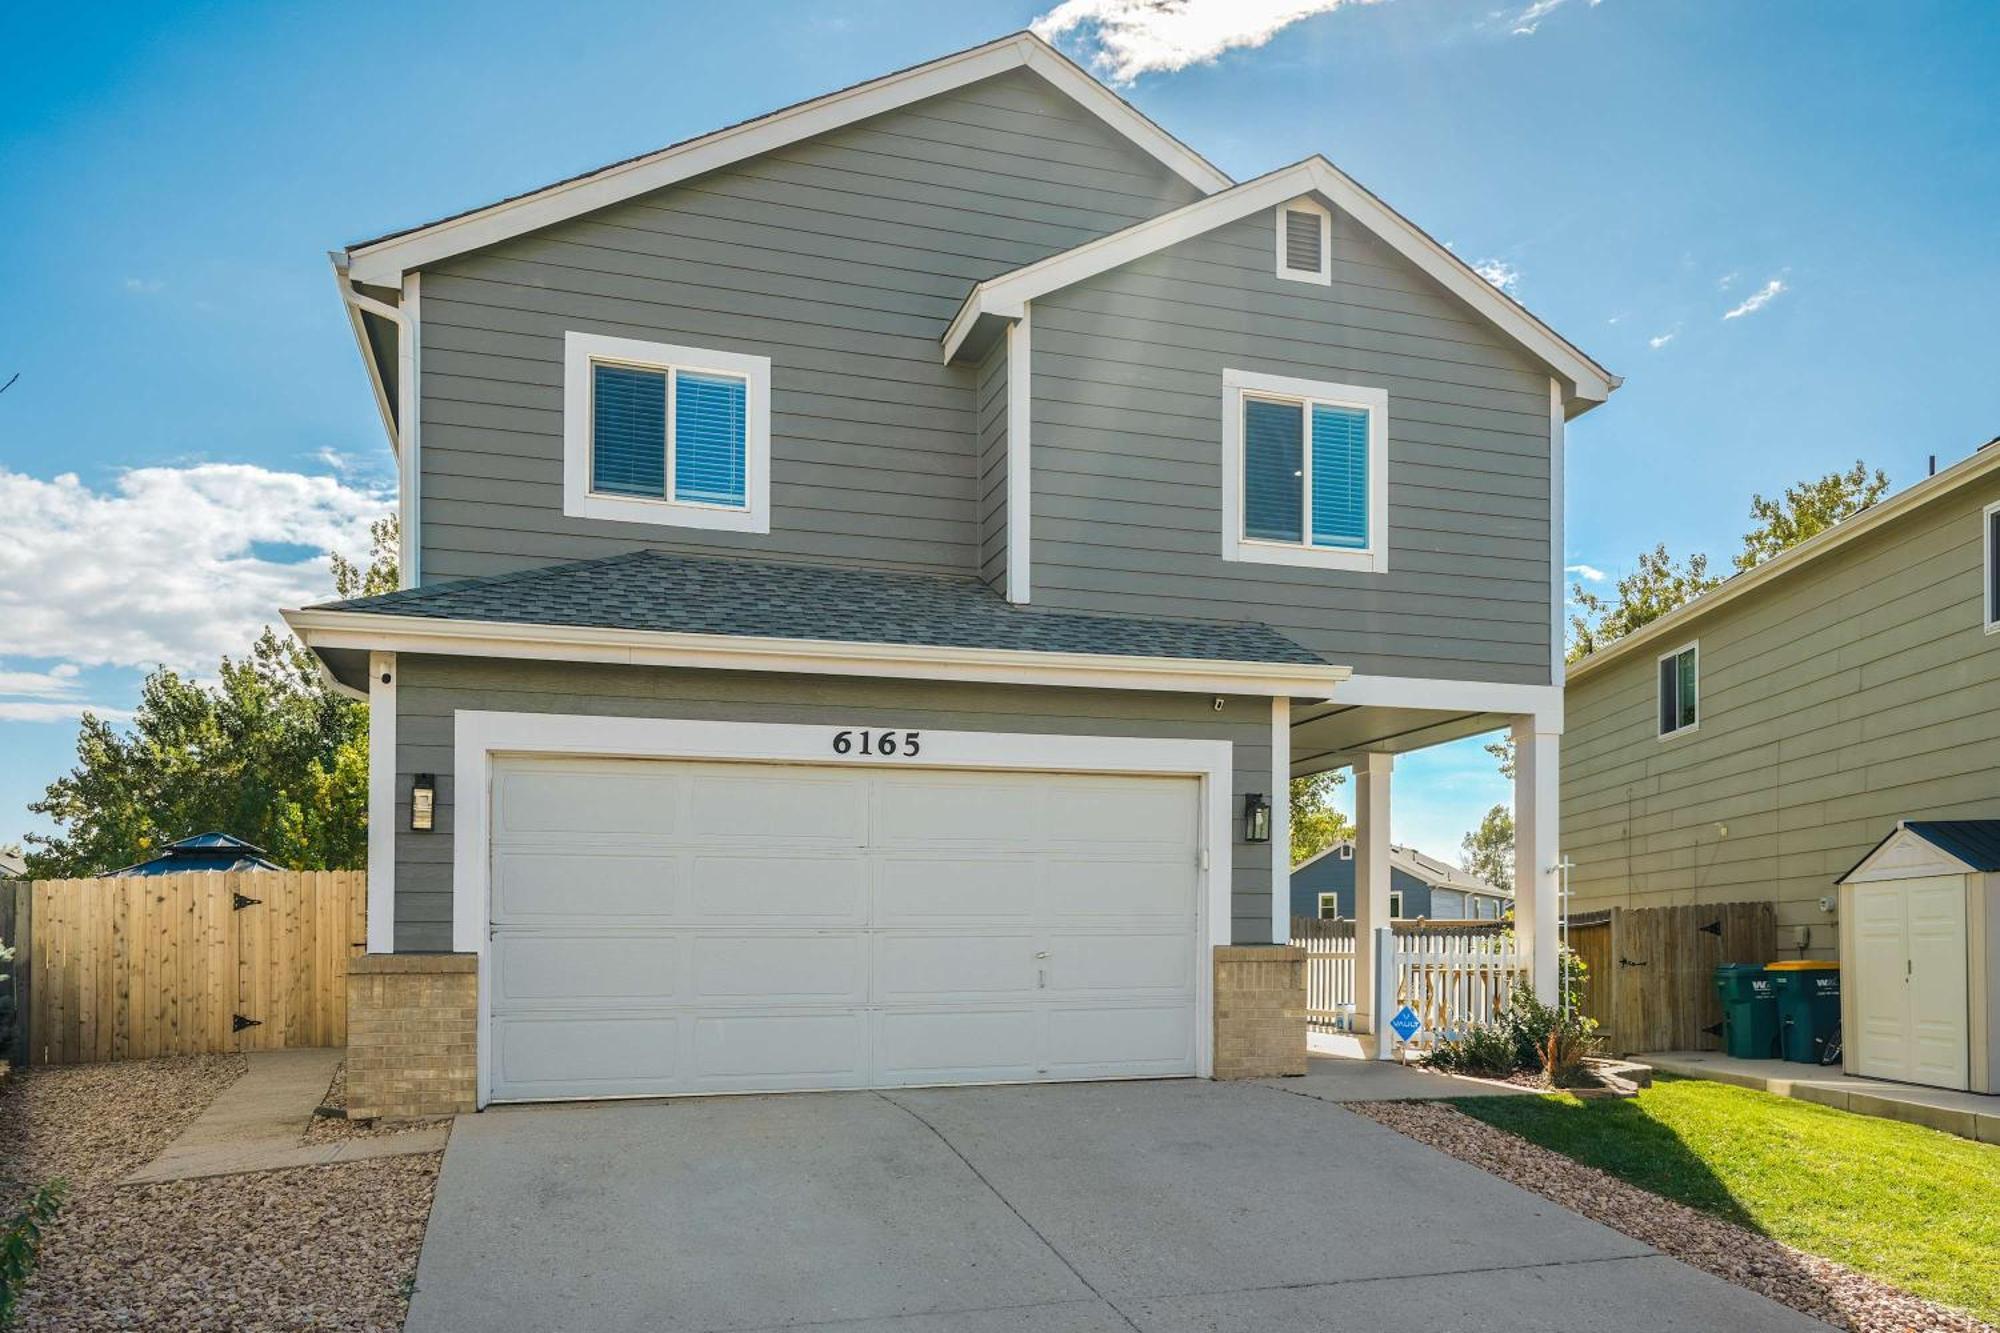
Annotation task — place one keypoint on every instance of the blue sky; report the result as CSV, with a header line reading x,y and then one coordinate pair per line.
x,y
191,420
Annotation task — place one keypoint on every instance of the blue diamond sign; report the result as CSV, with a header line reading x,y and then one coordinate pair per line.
x,y
1405,1024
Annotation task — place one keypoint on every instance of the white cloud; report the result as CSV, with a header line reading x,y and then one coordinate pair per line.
x,y
1727,280
1659,340
13,711
1588,573
1122,39
1500,273
1758,299
59,682
145,286
164,566
1529,19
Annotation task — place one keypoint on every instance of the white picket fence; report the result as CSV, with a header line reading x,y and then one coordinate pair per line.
x,y
1452,976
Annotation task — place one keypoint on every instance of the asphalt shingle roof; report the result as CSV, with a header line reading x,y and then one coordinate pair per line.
x,y
681,594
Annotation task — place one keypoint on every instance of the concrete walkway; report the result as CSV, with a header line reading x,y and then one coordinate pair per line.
x,y
1145,1207
1969,1115
1332,1079
257,1122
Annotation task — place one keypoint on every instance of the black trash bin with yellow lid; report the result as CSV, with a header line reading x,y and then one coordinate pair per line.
x,y
1808,1007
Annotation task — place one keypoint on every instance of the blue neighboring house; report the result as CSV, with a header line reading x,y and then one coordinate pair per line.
x,y
1420,888
204,851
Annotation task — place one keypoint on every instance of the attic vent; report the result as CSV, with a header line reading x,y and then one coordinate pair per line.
x,y
1302,242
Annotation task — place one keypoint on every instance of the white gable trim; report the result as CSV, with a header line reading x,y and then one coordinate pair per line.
x,y
1006,295
385,261
1905,854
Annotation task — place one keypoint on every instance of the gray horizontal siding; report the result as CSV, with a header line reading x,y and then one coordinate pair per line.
x,y
1127,487
842,259
431,689
990,483
1834,701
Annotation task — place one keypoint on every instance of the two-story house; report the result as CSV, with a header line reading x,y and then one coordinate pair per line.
x,y
872,571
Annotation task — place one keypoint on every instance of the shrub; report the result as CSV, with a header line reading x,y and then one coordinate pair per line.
x,y
20,1242
1486,1051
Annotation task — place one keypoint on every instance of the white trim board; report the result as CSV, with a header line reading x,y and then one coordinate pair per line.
x,y
386,259
1006,295
381,803
324,629
479,736
1020,491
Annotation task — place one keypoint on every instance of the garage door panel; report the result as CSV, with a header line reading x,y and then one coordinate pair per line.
x,y
933,809
610,799
959,1046
779,889
1101,1040
1122,964
545,885
602,1054
912,889
782,806
953,967
780,969
1122,889
1136,813
774,1051
585,970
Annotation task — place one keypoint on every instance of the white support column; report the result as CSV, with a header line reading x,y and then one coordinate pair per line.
x,y
381,803
1371,878
410,420
1020,464
1281,820
1537,847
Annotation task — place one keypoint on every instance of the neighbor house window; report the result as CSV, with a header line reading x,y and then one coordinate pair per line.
x,y
1329,907
1347,851
1395,904
1992,598
656,433
1305,242
1304,472
1679,691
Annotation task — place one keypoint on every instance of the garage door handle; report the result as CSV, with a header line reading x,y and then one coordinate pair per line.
x,y
1041,978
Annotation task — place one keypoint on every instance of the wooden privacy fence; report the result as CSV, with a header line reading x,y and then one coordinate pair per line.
x,y
144,965
1453,973
1650,978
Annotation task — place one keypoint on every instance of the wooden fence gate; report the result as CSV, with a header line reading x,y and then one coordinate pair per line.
x,y
142,965
1650,982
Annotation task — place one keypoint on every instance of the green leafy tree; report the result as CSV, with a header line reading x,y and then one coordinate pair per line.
x,y
271,753
1316,825
1657,586
1488,851
1806,510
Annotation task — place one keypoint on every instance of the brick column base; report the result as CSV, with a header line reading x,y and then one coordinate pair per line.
x,y
412,1034
1260,1011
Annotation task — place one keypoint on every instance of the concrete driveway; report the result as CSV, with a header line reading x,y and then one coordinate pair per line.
x,y
1111,1206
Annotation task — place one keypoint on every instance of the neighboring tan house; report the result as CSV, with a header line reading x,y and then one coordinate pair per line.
x,y
869,570
1756,744
1421,888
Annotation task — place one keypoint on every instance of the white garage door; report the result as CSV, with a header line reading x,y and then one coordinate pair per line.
x,y
666,927
1910,996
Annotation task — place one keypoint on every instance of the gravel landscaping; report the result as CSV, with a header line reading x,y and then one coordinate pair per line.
x,y
332,1129
1811,1285
324,1247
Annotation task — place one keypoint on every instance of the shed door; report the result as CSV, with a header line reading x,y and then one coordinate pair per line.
x,y
1910,981
675,927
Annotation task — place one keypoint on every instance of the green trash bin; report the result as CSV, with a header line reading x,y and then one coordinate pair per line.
x,y
1749,1011
1808,1007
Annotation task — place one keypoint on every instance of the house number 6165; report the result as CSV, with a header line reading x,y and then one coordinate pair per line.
x,y
906,743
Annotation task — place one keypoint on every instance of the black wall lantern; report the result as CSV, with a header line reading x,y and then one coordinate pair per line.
x,y
1256,818
423,802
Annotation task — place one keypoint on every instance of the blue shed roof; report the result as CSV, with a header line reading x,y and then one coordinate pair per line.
x,y
203,851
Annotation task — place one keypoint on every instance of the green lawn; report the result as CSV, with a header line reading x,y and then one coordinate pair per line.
x,y
1915,1207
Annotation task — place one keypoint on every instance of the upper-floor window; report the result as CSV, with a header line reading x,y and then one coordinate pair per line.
x,y
1992,595
1305,242
1679,703
655,433
1305,469
1396,905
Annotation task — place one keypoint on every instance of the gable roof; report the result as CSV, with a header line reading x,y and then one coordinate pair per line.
x,y
385,259
1007,295
1424,869
1974,844
1962,473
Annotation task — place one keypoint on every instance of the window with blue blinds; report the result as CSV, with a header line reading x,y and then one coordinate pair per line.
x,y
628,434
1305,473
1273,470
628,431
709,436
1339,476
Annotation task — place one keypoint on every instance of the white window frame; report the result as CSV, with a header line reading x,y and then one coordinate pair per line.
x,y
1327,900
581,351
1395,904
1986,571
1347,851
1323,275
1372,558
1692,646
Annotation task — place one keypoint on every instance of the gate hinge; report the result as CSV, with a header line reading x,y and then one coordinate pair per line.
x,y
1713,928
1713,1029
237,1022
240,902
